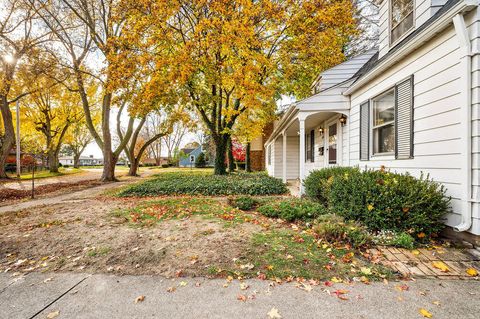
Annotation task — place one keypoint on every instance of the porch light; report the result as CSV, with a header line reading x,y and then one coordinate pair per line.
x,y
321,130
343,119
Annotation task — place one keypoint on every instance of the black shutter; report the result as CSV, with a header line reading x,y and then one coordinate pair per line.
x,y
404,120
364,131
312,145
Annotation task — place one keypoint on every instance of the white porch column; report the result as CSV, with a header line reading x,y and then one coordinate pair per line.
x,y
302,153
284,157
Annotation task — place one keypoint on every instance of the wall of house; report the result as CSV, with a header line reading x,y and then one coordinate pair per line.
x,y
437,116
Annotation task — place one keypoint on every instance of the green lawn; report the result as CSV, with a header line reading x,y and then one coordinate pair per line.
x,y
203,182
44,174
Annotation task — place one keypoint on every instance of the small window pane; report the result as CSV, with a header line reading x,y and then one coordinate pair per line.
x,y
384,139
383,109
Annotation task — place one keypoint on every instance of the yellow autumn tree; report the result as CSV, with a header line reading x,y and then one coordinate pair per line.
x,y
225,57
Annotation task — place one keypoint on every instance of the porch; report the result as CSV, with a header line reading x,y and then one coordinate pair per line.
x,y
309,140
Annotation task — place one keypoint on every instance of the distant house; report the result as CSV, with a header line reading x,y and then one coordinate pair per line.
x,y
190,157
83,161
412,106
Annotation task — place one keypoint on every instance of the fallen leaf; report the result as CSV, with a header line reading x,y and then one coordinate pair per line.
x,y
328,283
139,299
244,286
48,279
472,272
403,287
170,289
436,303
183,283
416,252
425,313
440,265
366,270
242,298
336,280
53,314
274,314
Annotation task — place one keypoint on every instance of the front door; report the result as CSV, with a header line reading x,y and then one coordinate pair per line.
x,y
332,144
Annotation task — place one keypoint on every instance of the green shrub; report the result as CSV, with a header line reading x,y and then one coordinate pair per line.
x,y
333,229
200,162
293,209
390,238
317,184
204,183
165,165
243,202
382,200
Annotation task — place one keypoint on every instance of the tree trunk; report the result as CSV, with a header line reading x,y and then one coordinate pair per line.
x,y
52,162
109,162
8,138
231,160
220,148
76,161
248,167
133,167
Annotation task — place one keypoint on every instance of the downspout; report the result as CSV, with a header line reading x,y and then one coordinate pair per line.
x,y
466,120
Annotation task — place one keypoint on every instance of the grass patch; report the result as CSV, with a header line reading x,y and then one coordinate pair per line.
x,y
152,212
202,182
45,174
288,254
99,251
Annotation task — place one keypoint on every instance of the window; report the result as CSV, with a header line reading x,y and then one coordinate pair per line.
x,y
269,154
401,18
310,146
383,126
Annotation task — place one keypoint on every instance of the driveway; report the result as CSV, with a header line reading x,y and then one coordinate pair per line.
x,y
78,295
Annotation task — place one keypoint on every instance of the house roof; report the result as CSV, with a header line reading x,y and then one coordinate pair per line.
x,y
188,150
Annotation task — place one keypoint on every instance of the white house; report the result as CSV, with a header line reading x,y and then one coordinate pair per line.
x,y
83,160
412,105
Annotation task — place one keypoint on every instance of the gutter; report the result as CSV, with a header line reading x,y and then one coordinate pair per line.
x,y
466,125
419,40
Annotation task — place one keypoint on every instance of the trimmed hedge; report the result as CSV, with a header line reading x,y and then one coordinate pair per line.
x,y
317,184
203,183
382,200
293,209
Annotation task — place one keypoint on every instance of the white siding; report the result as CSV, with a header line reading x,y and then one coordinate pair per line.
x,y
436,71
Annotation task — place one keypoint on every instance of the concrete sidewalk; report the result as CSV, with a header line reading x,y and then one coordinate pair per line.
x,y
37,295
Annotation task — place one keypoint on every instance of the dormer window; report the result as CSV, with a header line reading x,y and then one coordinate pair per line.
x,y
401,17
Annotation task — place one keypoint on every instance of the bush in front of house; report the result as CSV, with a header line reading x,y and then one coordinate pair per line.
x,y
204,183
382,200
334,229
317,184
243,202
200,161
293,209
390,238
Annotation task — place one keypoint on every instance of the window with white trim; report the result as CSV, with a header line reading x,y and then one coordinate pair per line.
x,y
383,123
401,18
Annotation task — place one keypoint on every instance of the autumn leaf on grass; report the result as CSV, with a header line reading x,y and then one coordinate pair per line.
x,y
366,270
139,299
425,313
274,314
53,314
440,265
472,272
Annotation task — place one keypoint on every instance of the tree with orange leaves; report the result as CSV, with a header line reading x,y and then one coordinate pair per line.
x,y
224,57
